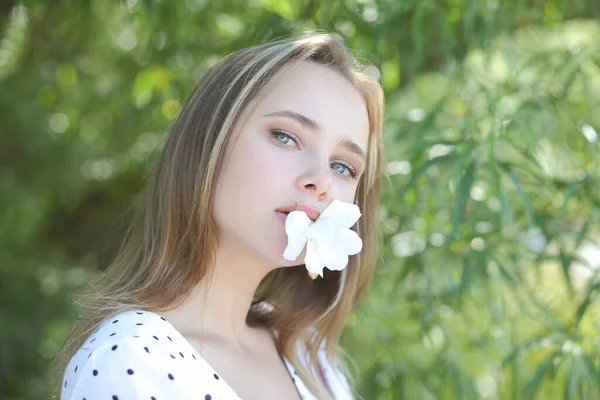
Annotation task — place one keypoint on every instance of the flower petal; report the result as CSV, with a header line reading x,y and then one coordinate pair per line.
x,y
312,261
333,254
296,224
328,249
352,242
338,263
322,230
294,248
297,221
343,214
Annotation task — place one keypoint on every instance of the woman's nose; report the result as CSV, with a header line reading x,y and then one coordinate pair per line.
x,y
317,181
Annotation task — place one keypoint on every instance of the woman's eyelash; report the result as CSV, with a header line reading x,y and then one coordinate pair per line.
x,y
278,132
353,173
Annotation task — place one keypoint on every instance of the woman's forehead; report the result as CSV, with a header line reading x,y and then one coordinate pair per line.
x,y
322,95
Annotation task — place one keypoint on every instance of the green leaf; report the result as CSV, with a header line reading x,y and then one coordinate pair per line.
x,y
524,198
423,168
462,196
533,385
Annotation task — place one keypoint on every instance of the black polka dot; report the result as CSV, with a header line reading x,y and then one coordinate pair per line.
x,y
65,383
157,335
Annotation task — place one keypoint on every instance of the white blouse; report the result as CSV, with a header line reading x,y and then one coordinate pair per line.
x,y
140,355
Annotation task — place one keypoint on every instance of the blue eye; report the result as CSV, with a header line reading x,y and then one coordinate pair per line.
x,y
348,167
279,135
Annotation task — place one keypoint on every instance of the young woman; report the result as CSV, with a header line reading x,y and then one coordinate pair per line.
x,y
200,303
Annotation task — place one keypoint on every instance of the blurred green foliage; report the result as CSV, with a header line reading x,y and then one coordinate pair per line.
x,y
488,279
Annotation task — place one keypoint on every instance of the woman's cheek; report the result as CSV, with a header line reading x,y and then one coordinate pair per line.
x,y
278,165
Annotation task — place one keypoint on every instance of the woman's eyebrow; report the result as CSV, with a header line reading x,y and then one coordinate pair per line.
x,y
302,119
354,148
313,125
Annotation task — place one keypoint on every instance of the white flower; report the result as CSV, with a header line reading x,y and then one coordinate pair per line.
x,y
329,239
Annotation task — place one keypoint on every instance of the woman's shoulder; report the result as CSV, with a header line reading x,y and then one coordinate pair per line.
x,y
133,354
125,326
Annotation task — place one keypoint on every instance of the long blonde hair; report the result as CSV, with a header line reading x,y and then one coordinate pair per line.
x,y
171,244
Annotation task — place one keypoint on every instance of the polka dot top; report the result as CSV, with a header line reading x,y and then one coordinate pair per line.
x,y
140,355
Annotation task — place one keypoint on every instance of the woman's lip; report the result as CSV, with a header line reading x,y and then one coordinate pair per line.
x,y
310,212
282,216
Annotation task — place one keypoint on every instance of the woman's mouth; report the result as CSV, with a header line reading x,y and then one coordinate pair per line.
x,y
312,213
282,215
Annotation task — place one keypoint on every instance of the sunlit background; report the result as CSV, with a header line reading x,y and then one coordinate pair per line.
x,y
488,278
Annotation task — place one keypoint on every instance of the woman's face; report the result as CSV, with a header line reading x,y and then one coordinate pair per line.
x,y
300,141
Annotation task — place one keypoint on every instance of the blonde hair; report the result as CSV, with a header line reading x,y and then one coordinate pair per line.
x,y
171,244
